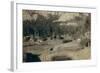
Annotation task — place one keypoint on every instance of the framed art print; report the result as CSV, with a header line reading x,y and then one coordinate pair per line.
x,y
52,36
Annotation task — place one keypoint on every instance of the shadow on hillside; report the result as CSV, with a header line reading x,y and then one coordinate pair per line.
x,y
29,57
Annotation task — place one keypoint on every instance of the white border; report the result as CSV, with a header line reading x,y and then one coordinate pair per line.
x,y
17,38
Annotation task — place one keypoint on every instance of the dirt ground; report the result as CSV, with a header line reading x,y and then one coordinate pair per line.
x,y
82,54
71,50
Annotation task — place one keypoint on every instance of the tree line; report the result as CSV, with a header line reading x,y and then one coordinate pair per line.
x,y
44,27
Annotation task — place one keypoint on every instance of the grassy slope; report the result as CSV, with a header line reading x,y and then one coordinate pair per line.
x,y
75,55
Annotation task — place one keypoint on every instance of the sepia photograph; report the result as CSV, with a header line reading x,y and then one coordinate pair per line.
x,y
55,36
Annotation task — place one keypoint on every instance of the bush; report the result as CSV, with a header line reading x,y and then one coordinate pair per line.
x,y
66,41
35,39
27,38
61,58
84,42
61,37
44,39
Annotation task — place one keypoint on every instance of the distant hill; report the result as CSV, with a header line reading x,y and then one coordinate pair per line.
x,y
66,17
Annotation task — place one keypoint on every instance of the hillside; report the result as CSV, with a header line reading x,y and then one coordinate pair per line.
x,y
56,36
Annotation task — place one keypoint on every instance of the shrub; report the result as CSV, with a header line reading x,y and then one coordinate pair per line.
x,y
84,42
66,41
27,38
61,58
44,39
35,39
61,37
